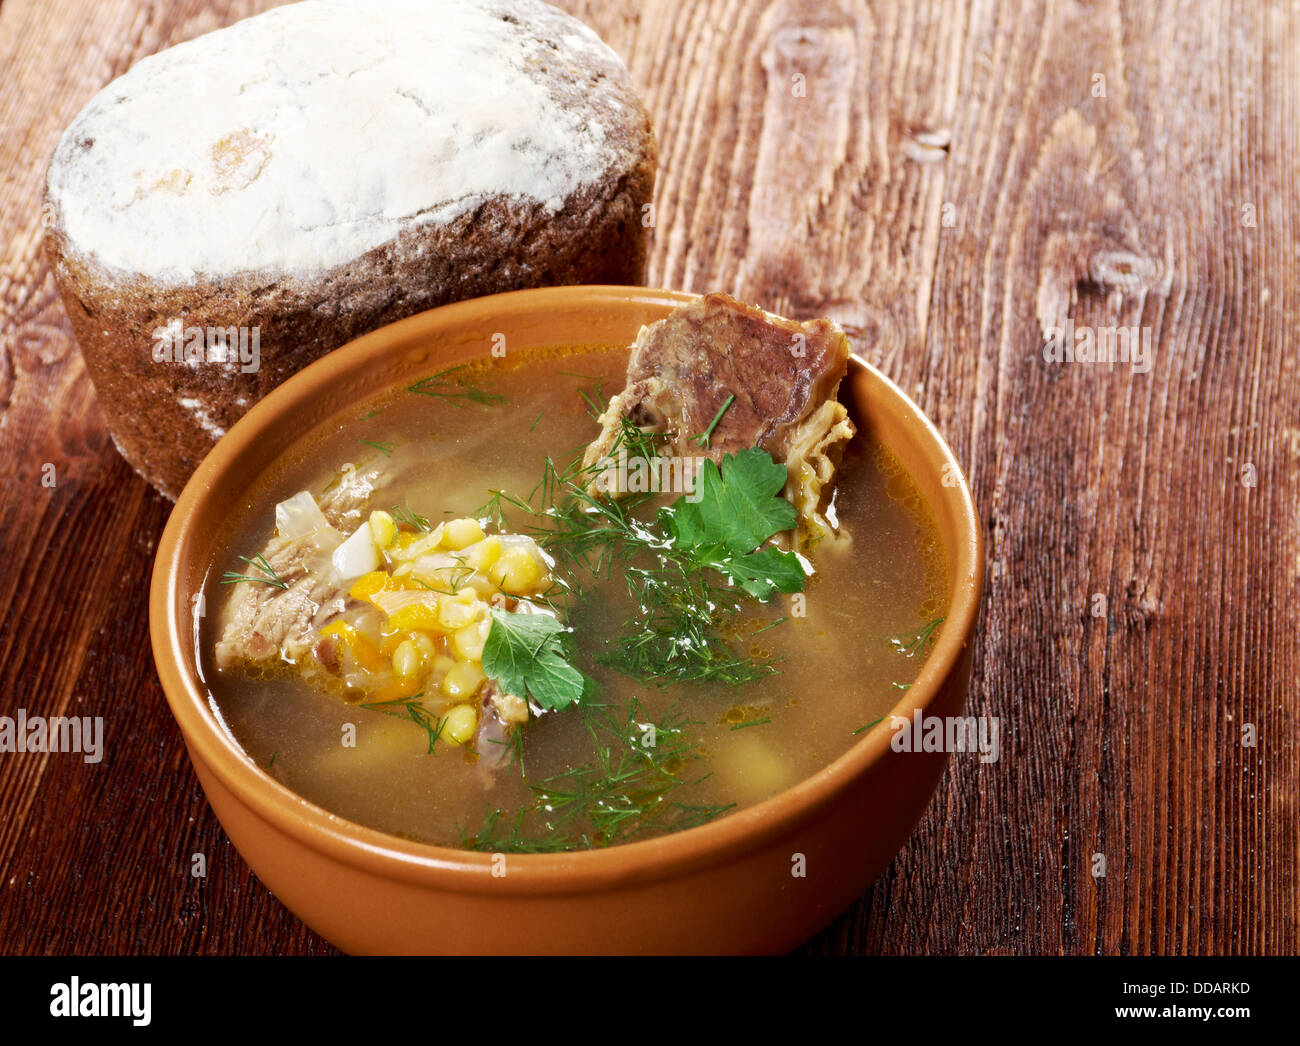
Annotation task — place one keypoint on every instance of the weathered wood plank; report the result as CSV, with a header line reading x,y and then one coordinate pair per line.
x,y
1122,208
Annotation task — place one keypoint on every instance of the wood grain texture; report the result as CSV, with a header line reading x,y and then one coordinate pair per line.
x,y
950,180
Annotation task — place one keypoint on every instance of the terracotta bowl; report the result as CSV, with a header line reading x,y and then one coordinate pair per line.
x,y
726,886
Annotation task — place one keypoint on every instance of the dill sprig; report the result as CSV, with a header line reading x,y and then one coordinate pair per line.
x,y
704,438
453,577
917,642
595,398
675,637
410,708
386,449
675,634
258,562
625,791
403,514
455,391
751,722
513,754
566,517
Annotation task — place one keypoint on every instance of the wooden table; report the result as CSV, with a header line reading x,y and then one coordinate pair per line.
x,y
949,180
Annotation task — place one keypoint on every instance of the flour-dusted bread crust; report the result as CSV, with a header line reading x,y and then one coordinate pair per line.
x,y
320,170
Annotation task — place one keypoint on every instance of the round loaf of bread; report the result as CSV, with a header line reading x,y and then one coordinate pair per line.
x,y
234,207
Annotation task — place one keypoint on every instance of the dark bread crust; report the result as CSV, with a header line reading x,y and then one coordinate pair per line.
x,y
501,246
507,243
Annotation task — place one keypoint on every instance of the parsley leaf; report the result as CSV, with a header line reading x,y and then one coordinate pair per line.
x,y
525,653
765,571
738,506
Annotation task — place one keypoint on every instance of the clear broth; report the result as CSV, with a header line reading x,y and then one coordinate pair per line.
x,y
840,667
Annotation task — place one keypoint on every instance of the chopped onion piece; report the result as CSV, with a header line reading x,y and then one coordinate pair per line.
x,y
391,602
519,541
357,555
298,516
420,546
